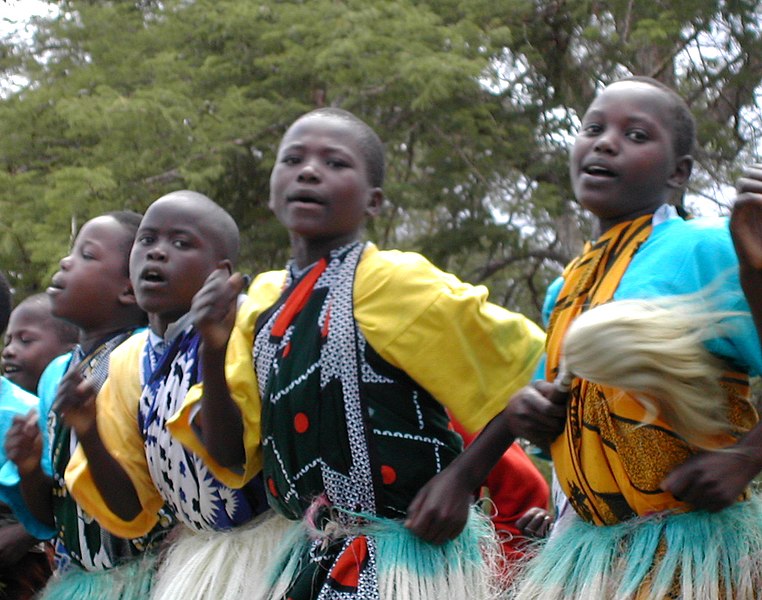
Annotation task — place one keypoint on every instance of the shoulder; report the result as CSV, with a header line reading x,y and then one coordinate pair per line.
x,y
263,292
15,399
702,233
397,270
127,354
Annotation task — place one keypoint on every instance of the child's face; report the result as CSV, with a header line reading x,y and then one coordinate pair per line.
x,y
31,342
172,256
623,162
87,288
319,186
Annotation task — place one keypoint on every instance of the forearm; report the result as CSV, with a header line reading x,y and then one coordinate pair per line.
x,y
479,458
220,418
112,481
751,282
37,491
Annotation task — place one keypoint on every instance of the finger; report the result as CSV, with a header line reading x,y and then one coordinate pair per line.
x,y
562,385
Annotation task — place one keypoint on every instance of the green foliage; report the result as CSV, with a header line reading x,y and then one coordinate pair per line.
x,y
476,101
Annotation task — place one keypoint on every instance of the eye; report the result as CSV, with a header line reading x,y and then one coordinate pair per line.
x,y
337,163
591,129
638,135
145,239
291,159
181,244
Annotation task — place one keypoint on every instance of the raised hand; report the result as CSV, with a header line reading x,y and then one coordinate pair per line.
x,y
214,307
23,442
75,403
746,219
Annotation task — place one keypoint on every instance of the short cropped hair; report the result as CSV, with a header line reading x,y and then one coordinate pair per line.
x,y
66,332
684,125
130,221
370,144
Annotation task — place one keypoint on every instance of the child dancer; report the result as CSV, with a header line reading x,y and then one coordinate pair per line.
x,y
91,290
24,567
636,486
357,354
34,337
185,245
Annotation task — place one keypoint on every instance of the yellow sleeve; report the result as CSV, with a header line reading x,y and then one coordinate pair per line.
x,y
469,354
242,382
117,406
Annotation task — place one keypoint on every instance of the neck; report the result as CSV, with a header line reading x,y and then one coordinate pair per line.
x,y
88,339
307,251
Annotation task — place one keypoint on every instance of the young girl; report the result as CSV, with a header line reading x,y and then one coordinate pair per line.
x,y
357,354
635,485
92,290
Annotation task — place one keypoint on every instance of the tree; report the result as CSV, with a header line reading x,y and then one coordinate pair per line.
x,y
476,102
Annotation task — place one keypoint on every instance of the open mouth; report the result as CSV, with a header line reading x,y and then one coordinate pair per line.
x,y
11,369
152,276
598,171
305,199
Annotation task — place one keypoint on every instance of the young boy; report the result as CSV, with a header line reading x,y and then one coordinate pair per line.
x,y
185,242
636,487
357,354
91,290
33,338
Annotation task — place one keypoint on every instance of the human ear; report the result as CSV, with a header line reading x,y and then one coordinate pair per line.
x,y
682,172
375,200
226,264
127,296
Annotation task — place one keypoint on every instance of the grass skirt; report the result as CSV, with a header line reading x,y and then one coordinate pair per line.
x,y
408,568
691,556
223,565
129,581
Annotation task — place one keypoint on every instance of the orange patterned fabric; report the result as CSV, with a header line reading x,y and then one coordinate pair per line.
x,y
611,458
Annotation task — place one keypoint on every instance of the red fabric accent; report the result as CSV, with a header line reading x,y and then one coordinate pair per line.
x,y
273,489
515,485
388,474
298,299
346,569
301,422
324,330
287,350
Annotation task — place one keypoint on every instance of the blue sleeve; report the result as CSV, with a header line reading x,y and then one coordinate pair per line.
x,y
15,401
685,257
551,295
47,389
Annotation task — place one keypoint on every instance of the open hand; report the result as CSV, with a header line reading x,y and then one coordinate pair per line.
x,y
214,307
75,402
439,511
23,442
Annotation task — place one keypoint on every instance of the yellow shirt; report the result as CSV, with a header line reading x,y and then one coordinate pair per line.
x,y
469,354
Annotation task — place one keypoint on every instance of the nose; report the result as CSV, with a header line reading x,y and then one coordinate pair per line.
x,y
65,263
606,143
156,252
308,173
8,351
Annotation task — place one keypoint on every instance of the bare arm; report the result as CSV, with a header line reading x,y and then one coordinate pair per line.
x,y
440,509
221,424
23,445
75,402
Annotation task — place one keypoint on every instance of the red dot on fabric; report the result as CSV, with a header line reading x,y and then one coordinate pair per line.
x,y
273,489
450,426
301,422
388,475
